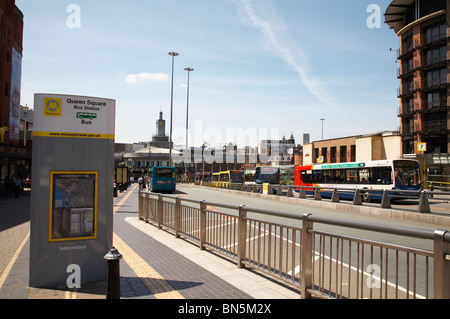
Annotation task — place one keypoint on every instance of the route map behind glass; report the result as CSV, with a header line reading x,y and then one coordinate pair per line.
x,y
73,205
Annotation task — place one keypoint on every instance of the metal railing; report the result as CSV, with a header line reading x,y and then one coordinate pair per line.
x,y
300,250
359,196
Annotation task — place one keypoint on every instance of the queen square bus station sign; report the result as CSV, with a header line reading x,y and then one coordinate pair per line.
x,y
72,183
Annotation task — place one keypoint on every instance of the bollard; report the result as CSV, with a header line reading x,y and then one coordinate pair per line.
x,y
385,201
302,193
113,274
279,191
317,195
357,199
335,196
424,204
290,193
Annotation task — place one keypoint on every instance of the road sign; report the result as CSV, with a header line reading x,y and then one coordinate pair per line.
x,y
422,147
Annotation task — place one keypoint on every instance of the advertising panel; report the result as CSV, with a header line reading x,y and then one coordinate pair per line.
x,y
121,175
16,79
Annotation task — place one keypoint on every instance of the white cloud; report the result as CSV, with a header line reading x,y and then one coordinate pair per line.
x,y
144,76
261,15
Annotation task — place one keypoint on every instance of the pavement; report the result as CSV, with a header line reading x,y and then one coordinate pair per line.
x,y
155,265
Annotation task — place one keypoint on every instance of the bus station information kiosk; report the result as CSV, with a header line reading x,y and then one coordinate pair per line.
x,y
72,189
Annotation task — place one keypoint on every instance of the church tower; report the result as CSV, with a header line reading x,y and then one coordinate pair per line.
x,y
161,126
160,139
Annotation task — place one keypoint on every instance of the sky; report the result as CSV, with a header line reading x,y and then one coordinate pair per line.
x,y
263,69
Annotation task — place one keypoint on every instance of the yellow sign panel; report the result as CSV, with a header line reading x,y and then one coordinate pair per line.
x,y
265,188
422,147
53,107
74,135
121,175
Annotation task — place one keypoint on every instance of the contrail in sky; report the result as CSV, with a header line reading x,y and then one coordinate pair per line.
x,y
278,42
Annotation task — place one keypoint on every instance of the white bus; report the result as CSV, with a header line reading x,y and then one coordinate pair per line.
x,y
377,176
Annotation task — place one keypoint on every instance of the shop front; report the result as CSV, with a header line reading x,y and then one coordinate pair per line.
x,y
15,163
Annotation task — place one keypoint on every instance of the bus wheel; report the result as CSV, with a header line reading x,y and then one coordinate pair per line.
x,y
367,197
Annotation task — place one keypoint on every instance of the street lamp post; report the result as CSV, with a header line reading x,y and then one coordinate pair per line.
x,y
322,127
189,70
173,55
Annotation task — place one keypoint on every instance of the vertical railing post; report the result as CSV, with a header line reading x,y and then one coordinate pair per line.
x,y
306,257
154,206
242,236
142,200
441,266
145,207
202,225
140,205
148,208
160,210
177,216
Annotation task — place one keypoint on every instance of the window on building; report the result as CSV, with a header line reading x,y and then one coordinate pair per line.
x,y
437,77
435,33
353,153
436,55
407,45
433,100
343,155
428,7
410,105
409,147
333,155
411,126
324,154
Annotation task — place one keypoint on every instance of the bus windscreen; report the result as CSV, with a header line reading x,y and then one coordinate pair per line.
x,y
407,173
269,175
236,178
164,173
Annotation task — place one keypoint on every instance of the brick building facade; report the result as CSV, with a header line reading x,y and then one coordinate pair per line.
x,y
422,28
15,159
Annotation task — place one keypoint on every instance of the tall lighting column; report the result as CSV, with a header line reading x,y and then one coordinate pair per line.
x,y
189,70
322,127
173,55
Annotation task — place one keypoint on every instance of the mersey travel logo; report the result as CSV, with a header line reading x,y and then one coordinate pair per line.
x,y
53,107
